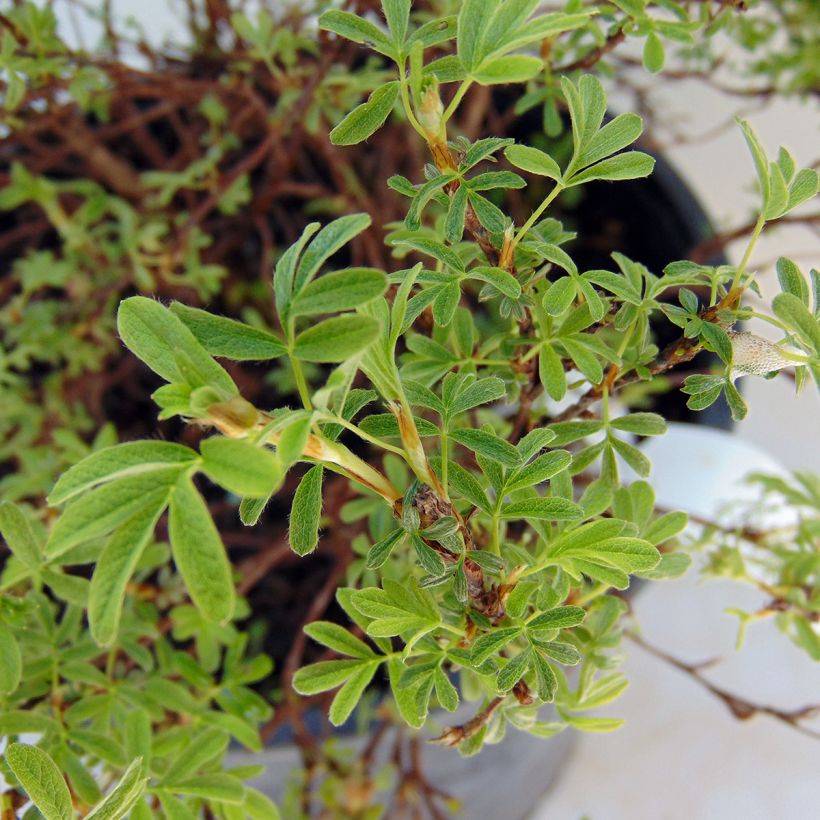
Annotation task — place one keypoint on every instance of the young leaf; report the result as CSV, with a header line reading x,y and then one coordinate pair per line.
x,y
357,29
336,339
18,535
103,509
199,554
380,551
114,569
367,118
303,532
543,509
473,19
489,445
501,280
239,466
351,692
479,392
163,342
340,290
654,55
39,776
333,236
228,338
11,669
120,800
534,161
541,469
551,372
560,617
629,165
397,14
514,69
338,639
492,643
119,461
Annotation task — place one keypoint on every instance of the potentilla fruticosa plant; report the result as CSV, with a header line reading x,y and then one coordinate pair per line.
x,y
468,398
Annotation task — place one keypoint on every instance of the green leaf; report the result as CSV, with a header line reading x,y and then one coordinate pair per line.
x,y
228,338
803,187
624,553
793,313
489,445
39,776
120,461
355,28
336,339
543,509
437,250
473,19
11,668
551,372
378,554
251,509
351,692
114,569
515,69
454,224
337,638
545,681
654,55
467,486
791,280
759,157
737,405
239,466
629,165
199,554
491,643
121,799
501,280
533,160
219,787
514,670
397,14
479,392
323,676
367,118
560,296
18,535
641,424
286,271
103,509
167,346
396,609
613,137
303,532
333,236
445,303
561,617
429,559
536,472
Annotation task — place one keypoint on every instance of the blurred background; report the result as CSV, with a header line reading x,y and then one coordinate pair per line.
x,y
682,754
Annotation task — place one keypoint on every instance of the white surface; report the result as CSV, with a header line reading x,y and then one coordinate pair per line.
x,y
681,754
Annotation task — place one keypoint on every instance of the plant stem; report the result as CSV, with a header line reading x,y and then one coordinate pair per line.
x,y
454,103
749,248
445,455
408,108
301,384
537,213
331,417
